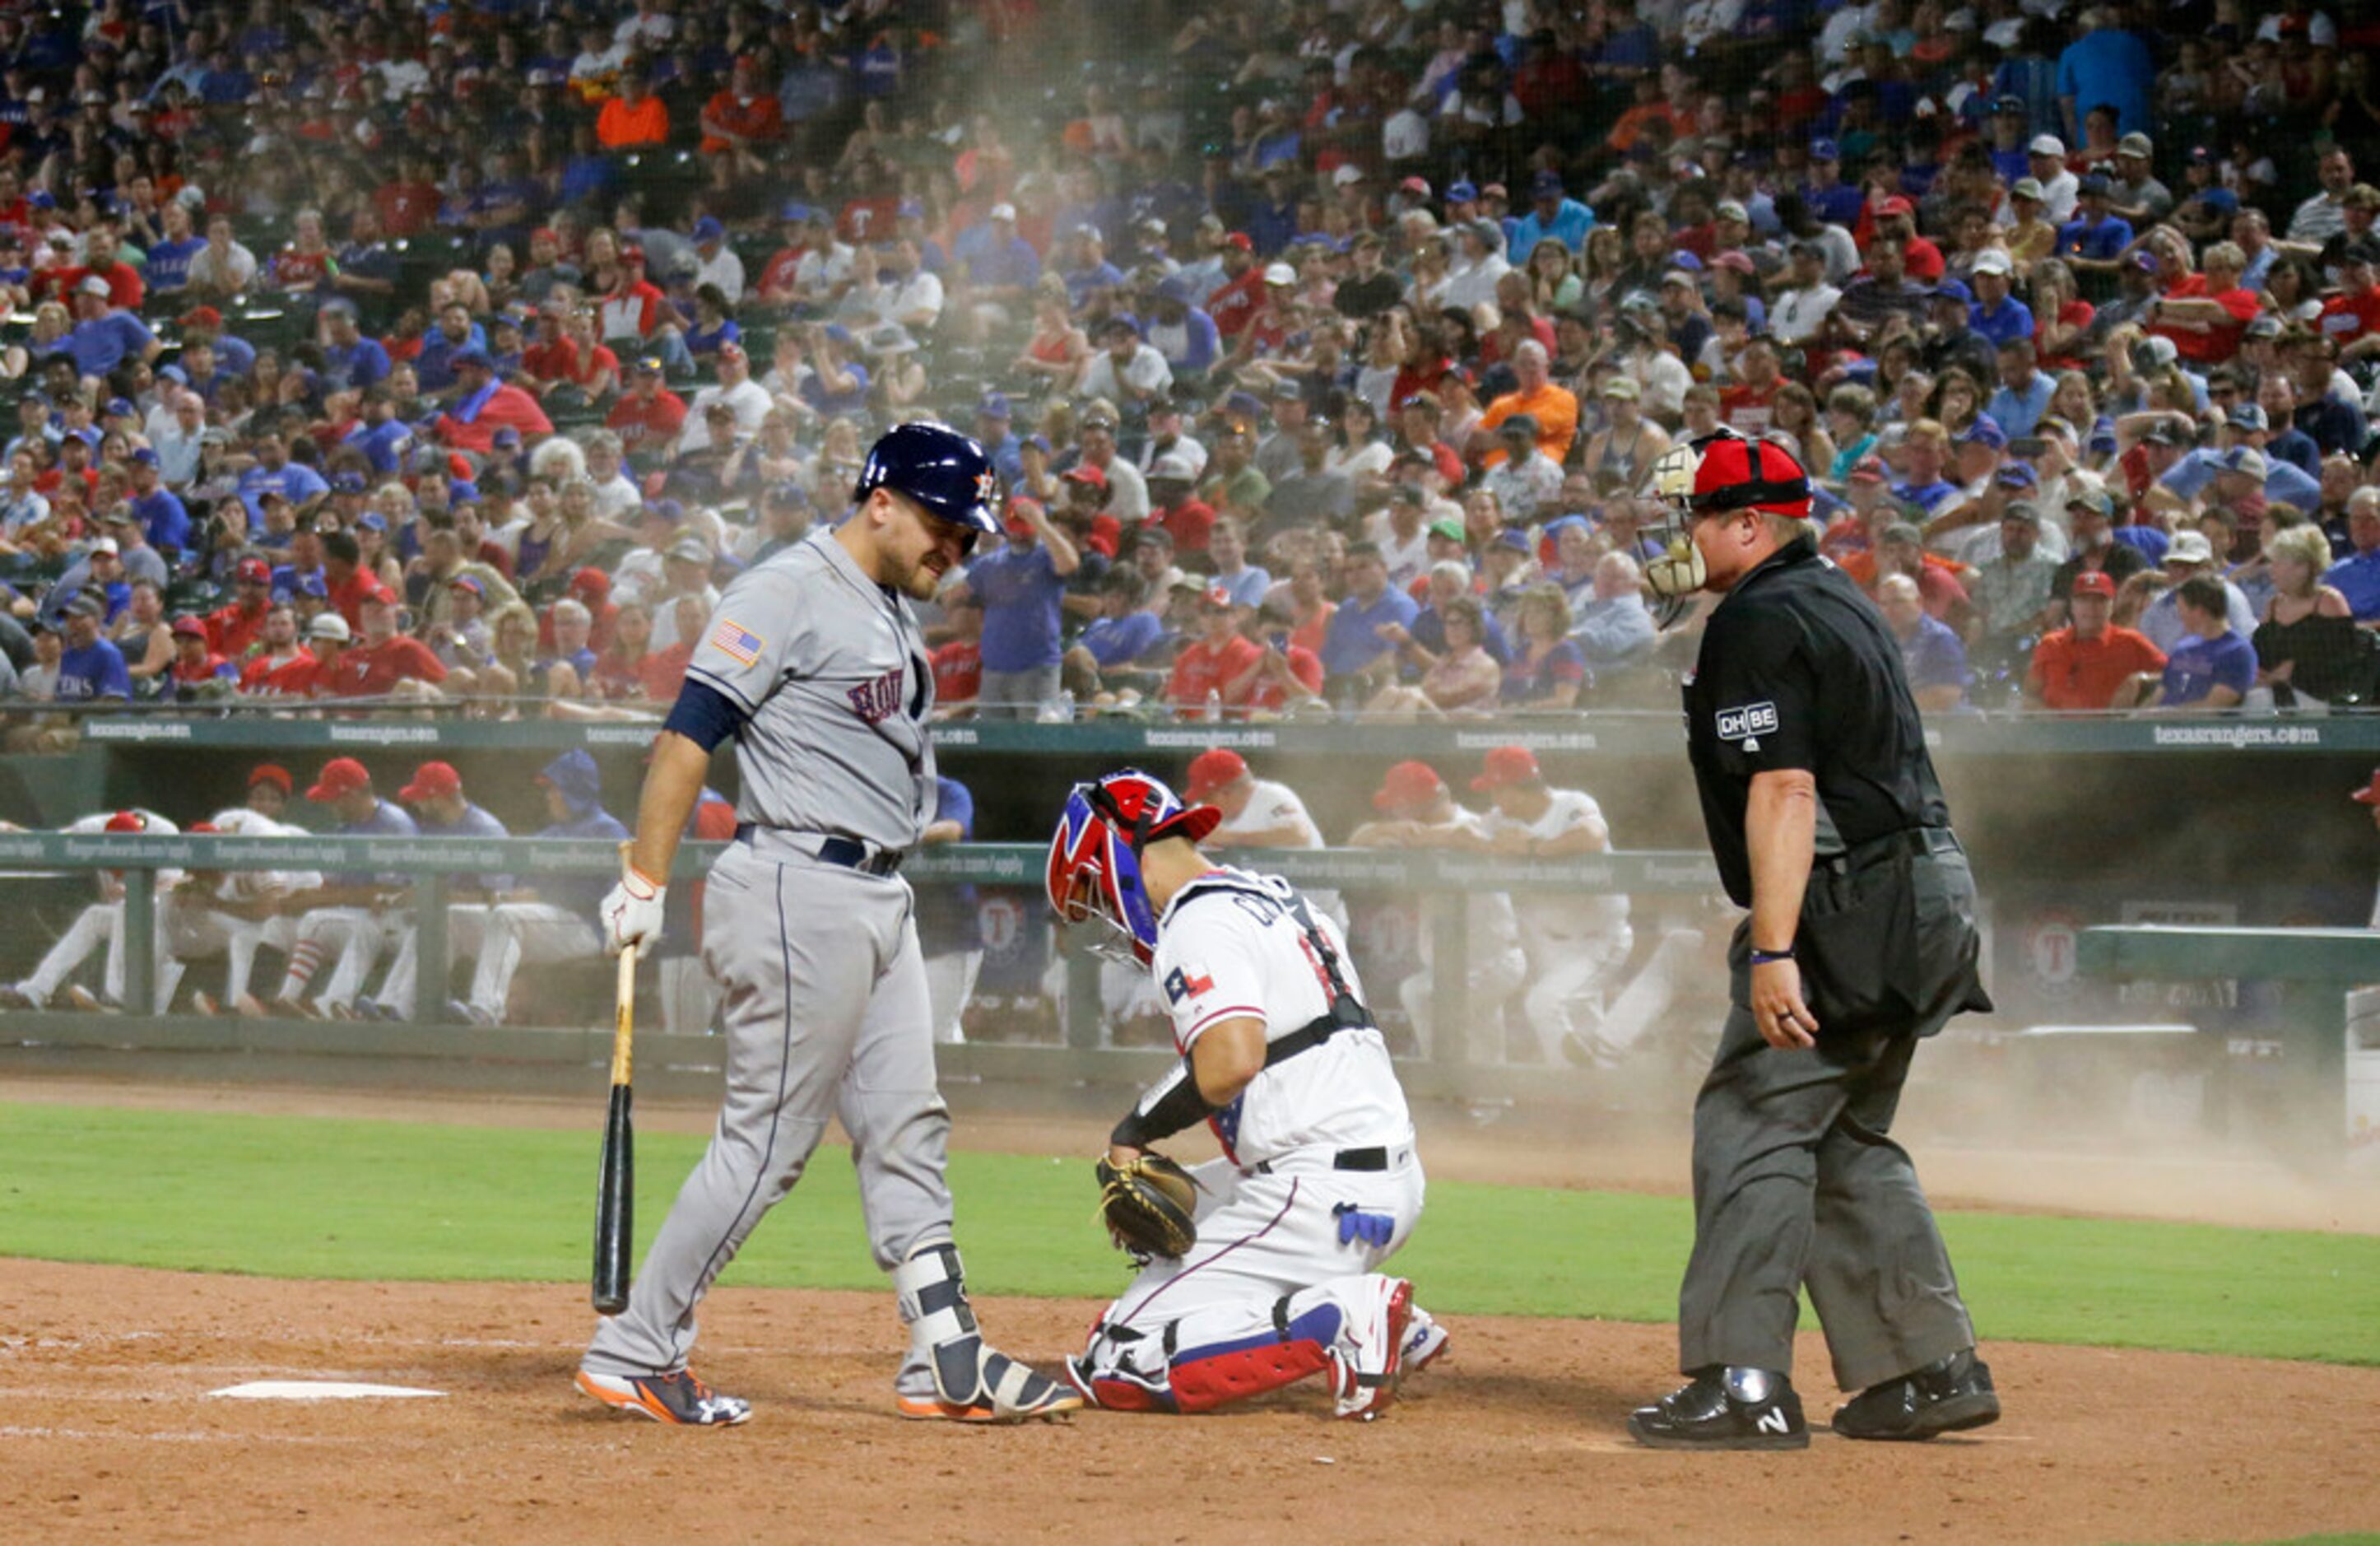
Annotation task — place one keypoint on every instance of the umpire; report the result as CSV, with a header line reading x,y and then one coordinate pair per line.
x,y
1826,822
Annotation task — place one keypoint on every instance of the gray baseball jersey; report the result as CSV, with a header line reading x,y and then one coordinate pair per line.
x,y
833,671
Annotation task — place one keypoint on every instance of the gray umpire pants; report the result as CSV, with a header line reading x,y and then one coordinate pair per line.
x,y
825,1014
1797,1184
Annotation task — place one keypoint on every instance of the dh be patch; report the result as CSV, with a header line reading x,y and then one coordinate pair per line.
x,y
1747,723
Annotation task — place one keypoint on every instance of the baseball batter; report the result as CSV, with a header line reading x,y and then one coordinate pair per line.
x,y
813,664
1318,1184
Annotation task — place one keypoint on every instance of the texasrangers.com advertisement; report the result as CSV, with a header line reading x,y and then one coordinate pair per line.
x,y
2236,736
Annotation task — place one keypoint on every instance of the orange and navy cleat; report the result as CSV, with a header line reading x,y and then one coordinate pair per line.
x,y
678,1399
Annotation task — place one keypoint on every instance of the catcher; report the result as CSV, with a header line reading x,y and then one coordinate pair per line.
x,y
1261,1268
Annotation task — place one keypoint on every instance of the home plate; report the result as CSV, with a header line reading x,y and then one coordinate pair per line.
x,y
315,1389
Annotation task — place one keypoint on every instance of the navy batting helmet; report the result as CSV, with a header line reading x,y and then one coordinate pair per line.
x,y
943,471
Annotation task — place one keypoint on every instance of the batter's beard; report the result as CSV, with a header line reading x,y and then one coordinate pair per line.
x,y
920,583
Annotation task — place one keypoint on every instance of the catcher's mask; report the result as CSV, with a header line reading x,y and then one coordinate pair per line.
x,y
1718,474
1094,871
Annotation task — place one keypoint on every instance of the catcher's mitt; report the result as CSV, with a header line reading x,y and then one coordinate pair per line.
x,y
1150,1205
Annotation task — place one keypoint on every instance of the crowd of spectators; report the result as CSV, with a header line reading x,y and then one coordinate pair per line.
x,y
463,352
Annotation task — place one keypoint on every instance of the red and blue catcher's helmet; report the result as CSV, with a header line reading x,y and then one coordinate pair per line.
x,y
1095,856
943,471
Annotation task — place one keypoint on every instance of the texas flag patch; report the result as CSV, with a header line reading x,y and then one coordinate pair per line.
x,y
1183,982
736,642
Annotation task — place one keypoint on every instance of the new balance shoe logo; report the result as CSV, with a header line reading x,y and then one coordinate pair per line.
x,y
1773,1421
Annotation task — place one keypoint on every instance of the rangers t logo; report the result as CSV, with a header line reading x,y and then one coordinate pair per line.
x,y
1745,720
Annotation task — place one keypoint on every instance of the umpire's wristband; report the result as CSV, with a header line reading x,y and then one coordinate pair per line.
x,y
1762,958
1165,1109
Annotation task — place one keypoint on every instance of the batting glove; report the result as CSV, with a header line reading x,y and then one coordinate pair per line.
x,y
632,914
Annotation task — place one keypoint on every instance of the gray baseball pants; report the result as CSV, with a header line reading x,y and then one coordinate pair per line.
x,y
825,1013
1797,1184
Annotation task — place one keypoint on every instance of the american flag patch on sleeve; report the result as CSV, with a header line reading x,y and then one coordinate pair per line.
x,y
736,642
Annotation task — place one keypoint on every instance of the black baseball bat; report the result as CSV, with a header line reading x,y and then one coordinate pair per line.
x,y
616,1229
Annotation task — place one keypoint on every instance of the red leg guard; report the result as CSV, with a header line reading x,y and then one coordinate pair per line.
x,y
1203,1385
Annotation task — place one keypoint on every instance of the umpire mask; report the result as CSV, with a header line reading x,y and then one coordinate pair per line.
x,y
1718,475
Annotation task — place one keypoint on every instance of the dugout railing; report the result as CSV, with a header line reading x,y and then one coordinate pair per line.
x,y
228,1046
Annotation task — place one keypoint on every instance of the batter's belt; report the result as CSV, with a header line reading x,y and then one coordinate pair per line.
x,y
843,853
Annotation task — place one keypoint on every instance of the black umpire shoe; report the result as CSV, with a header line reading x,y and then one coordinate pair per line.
x,y
1945,1396
1704,1416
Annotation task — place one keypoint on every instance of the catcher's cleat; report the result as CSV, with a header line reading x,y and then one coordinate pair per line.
x,y
1005,1392
1117,1391
1704,1415
1948,1396
1364,1373
679,1399
1426,1342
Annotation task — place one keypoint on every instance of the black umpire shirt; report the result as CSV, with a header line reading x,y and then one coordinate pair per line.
x,y
1797,670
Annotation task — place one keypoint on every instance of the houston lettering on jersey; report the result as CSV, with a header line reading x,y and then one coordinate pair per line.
x,y
877,700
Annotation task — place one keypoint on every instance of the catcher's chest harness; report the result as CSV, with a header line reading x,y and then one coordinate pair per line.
x,y
1346,1011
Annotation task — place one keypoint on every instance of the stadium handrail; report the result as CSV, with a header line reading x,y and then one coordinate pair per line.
x,y
1648,732
1440,877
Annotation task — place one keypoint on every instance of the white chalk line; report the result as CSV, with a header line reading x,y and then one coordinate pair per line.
x,y
86,1435
10,1346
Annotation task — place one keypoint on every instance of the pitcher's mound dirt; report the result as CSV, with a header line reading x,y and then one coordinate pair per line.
x,y
1517,1435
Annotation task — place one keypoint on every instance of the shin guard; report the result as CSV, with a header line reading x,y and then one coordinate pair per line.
x,y
1211,1374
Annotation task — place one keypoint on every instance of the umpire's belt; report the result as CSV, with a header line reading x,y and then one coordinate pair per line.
x,y
1375,1158
843,853
1917,841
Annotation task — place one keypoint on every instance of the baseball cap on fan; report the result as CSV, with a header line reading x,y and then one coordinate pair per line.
x,y
1214,768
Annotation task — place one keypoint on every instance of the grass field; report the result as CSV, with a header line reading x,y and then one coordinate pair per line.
x,y
301,1197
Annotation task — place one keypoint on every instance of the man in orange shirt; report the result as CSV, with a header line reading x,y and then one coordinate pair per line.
x,y
1554,407
2080,666
634,118
743,119
1221,662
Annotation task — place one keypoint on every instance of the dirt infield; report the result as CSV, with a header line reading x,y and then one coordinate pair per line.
x,y
1516,1435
